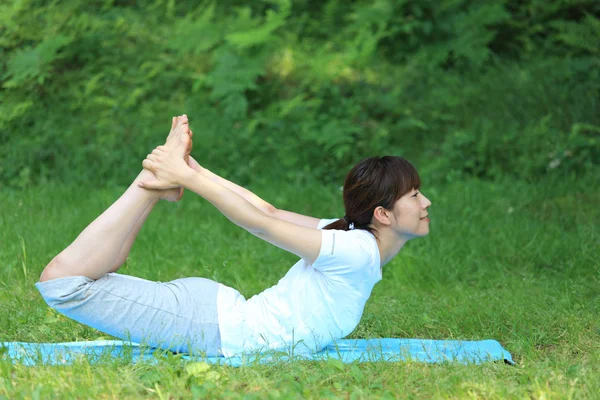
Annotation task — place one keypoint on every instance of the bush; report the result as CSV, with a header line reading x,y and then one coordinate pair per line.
x,y
297,91
521,121
525,153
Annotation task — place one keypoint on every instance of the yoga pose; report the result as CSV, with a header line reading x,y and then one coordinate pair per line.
x,y
319,300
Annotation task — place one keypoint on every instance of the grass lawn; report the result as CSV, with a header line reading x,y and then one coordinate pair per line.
x,y
514,262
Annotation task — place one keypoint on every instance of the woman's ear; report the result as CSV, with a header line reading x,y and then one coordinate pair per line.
x,y
382,215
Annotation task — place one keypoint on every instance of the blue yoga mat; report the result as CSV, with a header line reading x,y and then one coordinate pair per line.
x,y
347,351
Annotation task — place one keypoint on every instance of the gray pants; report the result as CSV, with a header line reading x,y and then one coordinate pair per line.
x,y
180,315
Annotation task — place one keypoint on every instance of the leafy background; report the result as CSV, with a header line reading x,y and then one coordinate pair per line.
x,y
298,91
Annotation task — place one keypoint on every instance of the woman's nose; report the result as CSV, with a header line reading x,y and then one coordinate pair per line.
x,y
426,203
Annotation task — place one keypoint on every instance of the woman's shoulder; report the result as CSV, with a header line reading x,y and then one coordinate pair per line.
x,y
361,239
325,221
351,248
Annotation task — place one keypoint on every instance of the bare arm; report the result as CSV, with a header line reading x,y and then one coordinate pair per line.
x,y
265,207
302,241
298,219
172,171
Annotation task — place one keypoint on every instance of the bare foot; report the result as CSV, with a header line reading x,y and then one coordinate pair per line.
x,y
179,137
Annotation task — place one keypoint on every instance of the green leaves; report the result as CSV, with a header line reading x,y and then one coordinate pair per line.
x,y
309,86
230,78
583,36
33,64
255,31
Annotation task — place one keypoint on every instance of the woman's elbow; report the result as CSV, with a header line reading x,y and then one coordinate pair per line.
x,y
270,210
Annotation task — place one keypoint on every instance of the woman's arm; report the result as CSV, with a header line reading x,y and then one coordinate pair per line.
x,y
295,218
244,193
237,209
302,241
267,208
172,171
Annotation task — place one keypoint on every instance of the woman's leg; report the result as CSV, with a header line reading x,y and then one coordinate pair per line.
x,y
95,251
99,248
169,195
126,248
180,315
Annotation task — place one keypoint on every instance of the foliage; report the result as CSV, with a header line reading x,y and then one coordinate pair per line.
x,y
298,90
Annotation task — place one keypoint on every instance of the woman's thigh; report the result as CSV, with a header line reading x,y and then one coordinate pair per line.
x,y
180,315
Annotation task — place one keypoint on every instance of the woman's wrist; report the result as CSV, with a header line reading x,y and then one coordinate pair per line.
x,y
211,175
198,168
187,177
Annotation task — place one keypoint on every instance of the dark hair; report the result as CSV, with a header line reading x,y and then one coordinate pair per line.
x,y
374,182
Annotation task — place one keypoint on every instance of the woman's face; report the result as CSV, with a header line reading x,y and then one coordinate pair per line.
x,y
410,215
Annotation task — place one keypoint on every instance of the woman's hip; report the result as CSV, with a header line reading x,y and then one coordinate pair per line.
x,y
180,315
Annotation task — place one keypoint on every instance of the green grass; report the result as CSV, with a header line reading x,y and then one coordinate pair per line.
x,y
509,261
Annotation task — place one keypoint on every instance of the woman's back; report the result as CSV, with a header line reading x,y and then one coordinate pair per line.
x,y
311,305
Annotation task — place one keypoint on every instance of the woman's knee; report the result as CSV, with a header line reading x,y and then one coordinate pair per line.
x,y
51,271
59,267
62,292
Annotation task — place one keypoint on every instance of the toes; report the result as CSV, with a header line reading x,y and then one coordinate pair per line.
x,y
180,122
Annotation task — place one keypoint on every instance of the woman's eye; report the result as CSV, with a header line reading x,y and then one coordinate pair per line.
x,y
415,195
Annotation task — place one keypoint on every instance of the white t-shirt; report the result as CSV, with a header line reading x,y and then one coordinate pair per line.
x,y
311,306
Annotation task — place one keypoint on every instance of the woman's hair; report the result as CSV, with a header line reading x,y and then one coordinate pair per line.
x,y
374,182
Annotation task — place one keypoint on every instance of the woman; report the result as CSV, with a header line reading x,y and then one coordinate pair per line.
x,y
319,300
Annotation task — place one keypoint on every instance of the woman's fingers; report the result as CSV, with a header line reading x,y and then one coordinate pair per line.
x,y
152,157
148,164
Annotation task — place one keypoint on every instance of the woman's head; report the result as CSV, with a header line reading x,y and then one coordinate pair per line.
x,y
378,190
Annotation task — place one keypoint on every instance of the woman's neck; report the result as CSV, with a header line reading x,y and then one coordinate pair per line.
x,y
389,245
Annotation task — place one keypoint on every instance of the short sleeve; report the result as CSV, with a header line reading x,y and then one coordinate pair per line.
x,y
324,222
344,251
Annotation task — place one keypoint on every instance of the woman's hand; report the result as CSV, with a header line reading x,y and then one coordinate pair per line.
x,y
170,169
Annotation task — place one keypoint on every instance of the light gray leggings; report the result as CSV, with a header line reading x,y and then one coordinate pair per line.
x,y
180,315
